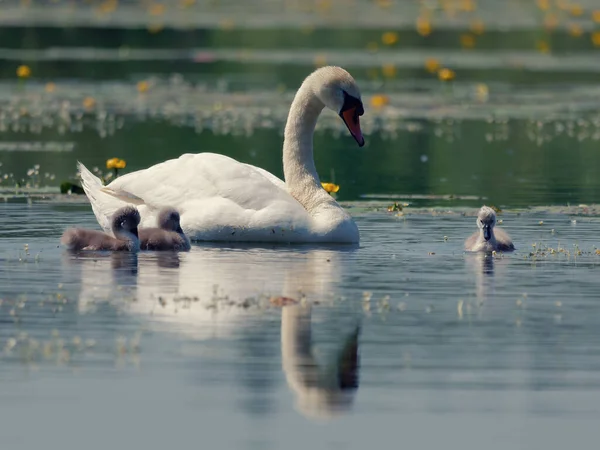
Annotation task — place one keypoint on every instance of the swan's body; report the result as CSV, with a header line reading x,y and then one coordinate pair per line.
x,y
123,224
221,199
488,238
168,235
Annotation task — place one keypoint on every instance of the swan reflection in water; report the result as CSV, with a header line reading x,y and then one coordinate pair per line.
x,y
321,392
201,295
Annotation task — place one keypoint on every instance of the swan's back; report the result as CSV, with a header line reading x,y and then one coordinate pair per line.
x,y
503,241
218,199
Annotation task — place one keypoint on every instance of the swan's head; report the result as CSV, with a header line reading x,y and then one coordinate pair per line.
x,y
338,91
125,223
486,220
169,220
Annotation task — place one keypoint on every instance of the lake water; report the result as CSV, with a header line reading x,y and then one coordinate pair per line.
x,y
403,340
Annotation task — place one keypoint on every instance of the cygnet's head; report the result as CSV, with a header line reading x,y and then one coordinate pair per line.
x,y
125,222
338,91
486,220
169,220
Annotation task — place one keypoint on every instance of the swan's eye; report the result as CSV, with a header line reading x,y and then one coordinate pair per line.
x,y
351,102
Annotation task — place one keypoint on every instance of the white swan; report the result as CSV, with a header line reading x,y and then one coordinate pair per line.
x,y
221,199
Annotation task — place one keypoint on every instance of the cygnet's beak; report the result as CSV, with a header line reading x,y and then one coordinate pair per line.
x,y
135,232
487,232
350,118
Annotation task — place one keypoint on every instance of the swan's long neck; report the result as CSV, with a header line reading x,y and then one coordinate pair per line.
x,y
299,169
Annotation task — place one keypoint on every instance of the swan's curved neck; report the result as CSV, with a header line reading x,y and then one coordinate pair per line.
x,y
299,169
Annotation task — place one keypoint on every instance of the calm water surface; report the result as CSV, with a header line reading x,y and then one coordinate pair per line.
x,y
404,338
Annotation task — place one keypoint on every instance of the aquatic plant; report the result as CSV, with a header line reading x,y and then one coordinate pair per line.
x,y
330,187
115,164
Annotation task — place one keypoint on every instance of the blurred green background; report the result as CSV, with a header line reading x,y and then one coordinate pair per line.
x,y
493,99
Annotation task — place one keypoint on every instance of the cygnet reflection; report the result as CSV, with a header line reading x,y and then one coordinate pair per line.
x,y
321,391
487,269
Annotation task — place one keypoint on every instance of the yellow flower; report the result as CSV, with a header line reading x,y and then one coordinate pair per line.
x,y
576,10
50,87
384,3
89,102
575,30
477,26
157,9
543,4
154,28
330,187
423,26
320,60
395,207
550,21
143,86
388,70
372,46
482,92
596,38
226,24
596,16
389,38
107,7
324,6
373,74
468,5
23,71
467,40
543,47
446,74
432,65
186,3
379,100
116,163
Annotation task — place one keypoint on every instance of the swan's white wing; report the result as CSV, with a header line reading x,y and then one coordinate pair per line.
x,y
217,197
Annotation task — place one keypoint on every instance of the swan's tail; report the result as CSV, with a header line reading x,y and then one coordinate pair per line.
x,y
103,204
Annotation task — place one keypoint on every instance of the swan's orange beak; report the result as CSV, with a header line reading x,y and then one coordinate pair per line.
x,y
350,118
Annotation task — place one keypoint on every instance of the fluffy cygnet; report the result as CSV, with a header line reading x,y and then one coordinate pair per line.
x,y
488,238
124,226
169,235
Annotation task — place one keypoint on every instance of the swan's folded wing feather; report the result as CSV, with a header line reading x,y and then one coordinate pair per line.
x,y
123,196
211,190
503,240
269,176
471,241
